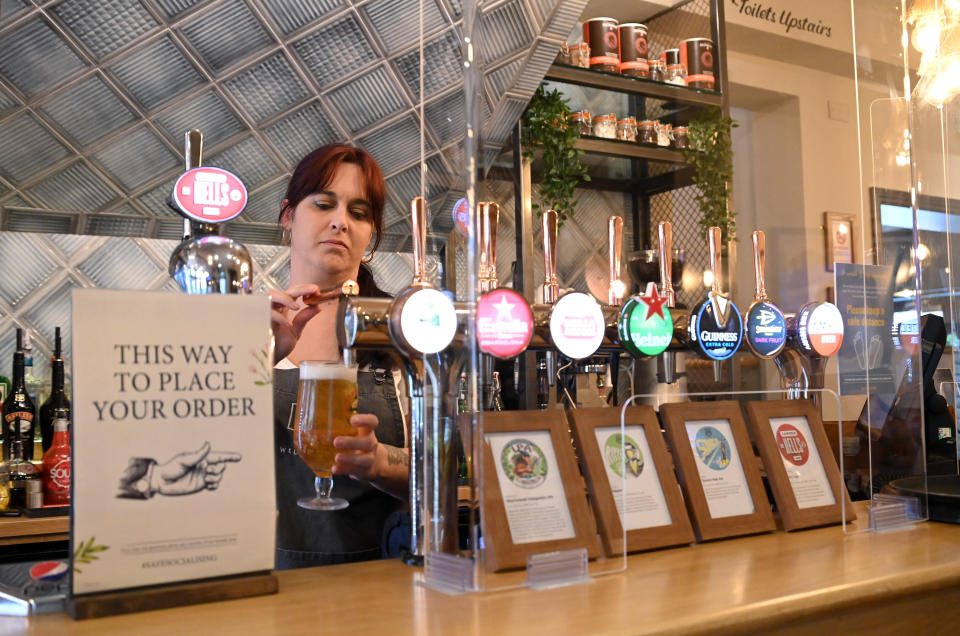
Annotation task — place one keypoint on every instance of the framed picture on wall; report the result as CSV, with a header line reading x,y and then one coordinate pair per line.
x,y
533,495
718,473
630,479
838,236
800,465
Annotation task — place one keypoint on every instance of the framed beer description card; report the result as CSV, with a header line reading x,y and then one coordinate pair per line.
x,y
533,495
718,472
803,473
630,478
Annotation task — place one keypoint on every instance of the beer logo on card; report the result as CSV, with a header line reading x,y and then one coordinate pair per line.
x,y
621,451
712,448
793,445
524,463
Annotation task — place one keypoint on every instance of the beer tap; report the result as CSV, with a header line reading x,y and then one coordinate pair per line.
x,y
764,323
615,243
715,326
204,263
814,335
667,362
504,322
421,323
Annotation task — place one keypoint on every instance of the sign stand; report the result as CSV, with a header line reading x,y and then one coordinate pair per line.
x,y
155,597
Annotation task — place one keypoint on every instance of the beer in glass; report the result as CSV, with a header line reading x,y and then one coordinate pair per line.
x,y
326,398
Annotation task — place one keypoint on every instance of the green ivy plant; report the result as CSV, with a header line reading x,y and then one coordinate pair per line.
x,y
711,155
548,130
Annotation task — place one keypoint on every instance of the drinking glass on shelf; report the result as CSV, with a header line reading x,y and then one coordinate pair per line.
x,y
326,398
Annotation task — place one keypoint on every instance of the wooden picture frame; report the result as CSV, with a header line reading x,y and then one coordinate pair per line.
x,y
716,455
792,515
501,552
584,423
838,239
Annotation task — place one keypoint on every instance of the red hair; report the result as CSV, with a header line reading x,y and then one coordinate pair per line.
x,y
315,172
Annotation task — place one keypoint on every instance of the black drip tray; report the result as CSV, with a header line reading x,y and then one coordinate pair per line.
x,y
942,494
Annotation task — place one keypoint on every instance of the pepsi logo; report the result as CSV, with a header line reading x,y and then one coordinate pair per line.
x,y
49,571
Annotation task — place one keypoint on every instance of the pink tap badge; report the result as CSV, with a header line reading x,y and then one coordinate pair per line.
x,y
210,195
504,323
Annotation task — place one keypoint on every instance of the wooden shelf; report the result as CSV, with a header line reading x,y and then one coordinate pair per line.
x,y
17,530
681,95
629,149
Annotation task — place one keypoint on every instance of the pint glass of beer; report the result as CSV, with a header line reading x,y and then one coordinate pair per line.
x,y
326,399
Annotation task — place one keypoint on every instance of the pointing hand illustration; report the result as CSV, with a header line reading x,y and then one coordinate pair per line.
x,y
185,473
192,471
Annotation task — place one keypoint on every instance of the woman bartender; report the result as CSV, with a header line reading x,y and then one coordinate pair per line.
x,y
333,211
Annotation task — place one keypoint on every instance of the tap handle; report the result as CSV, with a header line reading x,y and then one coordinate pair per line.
x,y
193,149
482,244
615,252
665,231
490,230
550,287
759,258
713,236
418,225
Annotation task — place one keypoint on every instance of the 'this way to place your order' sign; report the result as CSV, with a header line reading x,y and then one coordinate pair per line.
x,y
172,440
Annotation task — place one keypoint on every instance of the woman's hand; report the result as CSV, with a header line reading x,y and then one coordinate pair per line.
x,y
364,457
290,311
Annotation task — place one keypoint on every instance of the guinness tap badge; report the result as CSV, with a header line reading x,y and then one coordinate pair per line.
x,y
716,327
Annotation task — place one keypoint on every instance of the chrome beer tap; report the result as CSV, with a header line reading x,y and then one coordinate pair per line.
x,y
204,263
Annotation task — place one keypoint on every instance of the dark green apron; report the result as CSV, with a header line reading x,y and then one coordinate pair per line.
x,y
308,537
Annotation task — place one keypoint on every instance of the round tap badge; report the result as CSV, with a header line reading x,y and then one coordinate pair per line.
x,y
576,325
908,336
646,324
428,320
461,216
716,338
524,463
504,323
820,328
210,195
792,444
766,329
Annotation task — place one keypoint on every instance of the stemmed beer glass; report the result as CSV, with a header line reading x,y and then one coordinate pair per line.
x,y
326,398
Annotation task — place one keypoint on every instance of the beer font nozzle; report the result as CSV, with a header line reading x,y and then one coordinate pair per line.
x,y
203,262
615,251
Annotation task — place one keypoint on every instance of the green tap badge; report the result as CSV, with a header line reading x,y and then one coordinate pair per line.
x,y
646,326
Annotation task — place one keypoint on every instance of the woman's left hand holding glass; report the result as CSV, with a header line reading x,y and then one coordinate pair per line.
x,y
362,456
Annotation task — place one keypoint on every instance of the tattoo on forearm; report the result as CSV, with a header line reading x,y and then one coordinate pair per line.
x,y
397,457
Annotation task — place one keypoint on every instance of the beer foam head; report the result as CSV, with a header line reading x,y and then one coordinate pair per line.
x,y
327,371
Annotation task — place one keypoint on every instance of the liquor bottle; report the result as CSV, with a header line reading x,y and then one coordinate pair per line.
x,y
56,463
22,472
35,387
4,486
58,397
18,409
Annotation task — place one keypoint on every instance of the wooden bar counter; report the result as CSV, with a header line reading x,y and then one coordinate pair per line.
x,y
815,581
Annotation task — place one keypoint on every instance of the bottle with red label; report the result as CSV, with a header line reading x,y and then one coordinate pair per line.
x,y
56,463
